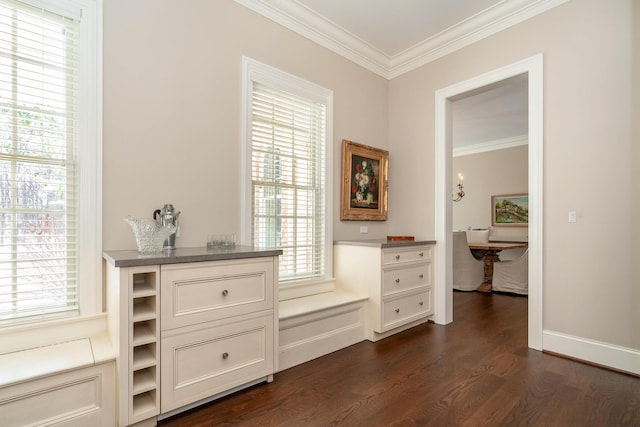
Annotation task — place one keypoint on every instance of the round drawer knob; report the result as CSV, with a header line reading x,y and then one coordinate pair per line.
x,y
397,310
421,254
225,293
397,256
422,276
421,303
225,355
397,281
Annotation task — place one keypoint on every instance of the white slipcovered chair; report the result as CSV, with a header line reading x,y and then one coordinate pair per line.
x,y
512,276
477,235
468,272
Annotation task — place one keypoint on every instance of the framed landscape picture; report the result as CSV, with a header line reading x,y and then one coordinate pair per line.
x,y
510,210
364,182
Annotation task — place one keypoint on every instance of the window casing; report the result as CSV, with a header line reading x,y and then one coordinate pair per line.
x,y
50,165
287,157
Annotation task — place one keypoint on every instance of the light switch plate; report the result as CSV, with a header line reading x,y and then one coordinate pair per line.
x,y
573,216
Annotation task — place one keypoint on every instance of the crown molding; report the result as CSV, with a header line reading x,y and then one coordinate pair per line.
x,y
317,28
310,24
475,28
499,144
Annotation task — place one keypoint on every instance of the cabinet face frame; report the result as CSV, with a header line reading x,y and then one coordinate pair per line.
x,y
412,303
196,328
388,263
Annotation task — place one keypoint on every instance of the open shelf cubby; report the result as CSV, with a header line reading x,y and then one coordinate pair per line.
x,y
144,284
144,332
144,380
144,341
144,404
144,356
144,308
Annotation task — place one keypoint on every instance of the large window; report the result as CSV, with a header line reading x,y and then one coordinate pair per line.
x,y
48,146
288,150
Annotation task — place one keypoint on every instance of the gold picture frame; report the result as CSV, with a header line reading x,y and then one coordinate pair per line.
x,y
364,182
510,210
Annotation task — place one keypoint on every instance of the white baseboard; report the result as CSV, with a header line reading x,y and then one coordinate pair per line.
x,y
616,357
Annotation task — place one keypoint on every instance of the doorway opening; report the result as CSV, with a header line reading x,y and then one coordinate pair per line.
x,y
443,292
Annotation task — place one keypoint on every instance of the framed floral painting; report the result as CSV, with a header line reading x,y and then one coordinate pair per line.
x,y
364,182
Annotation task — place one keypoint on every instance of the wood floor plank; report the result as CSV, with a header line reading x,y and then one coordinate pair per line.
x,y
476,371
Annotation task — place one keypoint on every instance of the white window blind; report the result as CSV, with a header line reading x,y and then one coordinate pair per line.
x,y
38,172
288,180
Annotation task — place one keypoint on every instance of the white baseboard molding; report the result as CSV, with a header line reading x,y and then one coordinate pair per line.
x,y
306,336
609,355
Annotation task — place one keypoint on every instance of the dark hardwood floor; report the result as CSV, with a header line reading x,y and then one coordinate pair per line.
x,y
476,371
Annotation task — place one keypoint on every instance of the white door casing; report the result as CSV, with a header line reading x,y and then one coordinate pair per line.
x,y
443,291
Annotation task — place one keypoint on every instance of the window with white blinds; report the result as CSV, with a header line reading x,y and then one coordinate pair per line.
x,y
288,168
39,90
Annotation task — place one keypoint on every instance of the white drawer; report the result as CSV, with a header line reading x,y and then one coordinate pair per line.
x,y
203,362
405,278
399,311
205,291
393,256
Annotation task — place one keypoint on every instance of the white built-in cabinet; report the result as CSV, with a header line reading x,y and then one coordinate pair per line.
x,y
186,332
217,328
396,277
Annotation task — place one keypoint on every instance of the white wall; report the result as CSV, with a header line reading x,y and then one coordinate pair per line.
x,y
172,105
589,288
635,162
172,89
488,174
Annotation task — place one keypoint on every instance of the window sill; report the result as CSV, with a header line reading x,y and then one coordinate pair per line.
x,y
304,289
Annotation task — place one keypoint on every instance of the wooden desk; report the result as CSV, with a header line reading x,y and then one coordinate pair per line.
x,y
490,255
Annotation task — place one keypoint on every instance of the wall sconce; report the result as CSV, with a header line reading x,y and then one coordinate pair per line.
x,y
460,194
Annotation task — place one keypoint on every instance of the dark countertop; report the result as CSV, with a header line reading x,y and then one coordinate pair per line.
x,y
133,258
384,243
